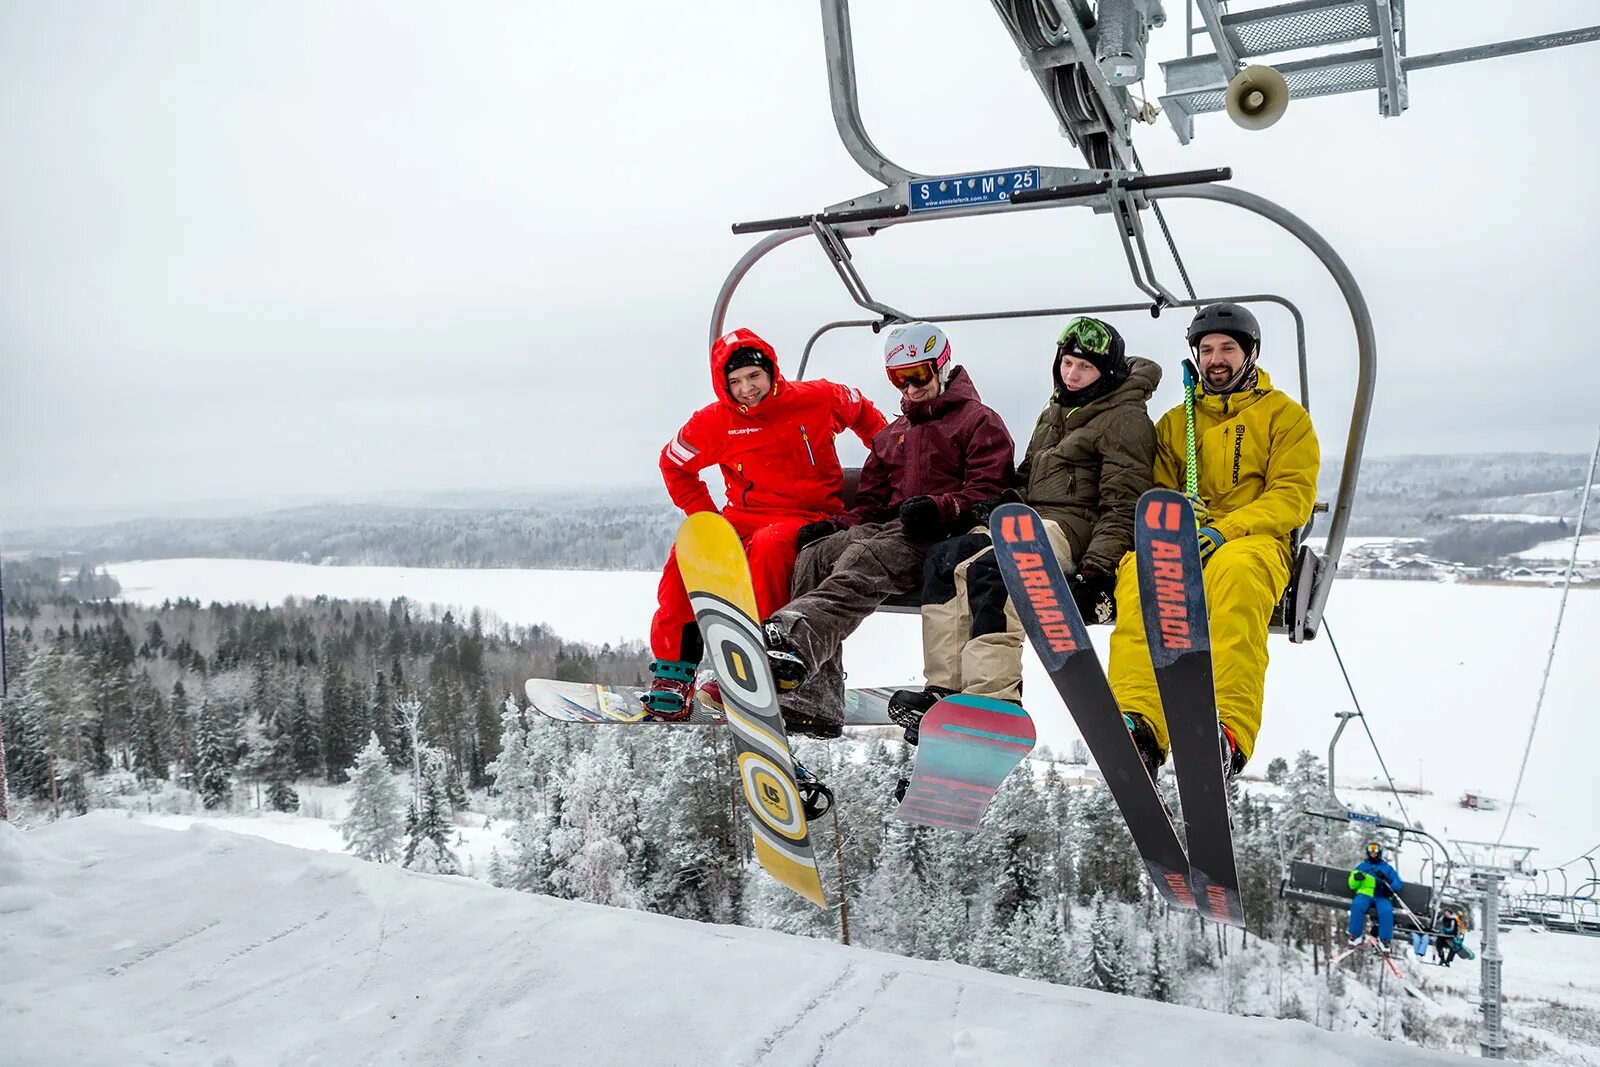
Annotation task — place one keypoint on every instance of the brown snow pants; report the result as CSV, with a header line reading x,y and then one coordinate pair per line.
x,y
838,582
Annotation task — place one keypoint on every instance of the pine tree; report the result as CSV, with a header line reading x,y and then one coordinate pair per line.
x,y
428,826
303,734
1161,982
1104,966
381,713
277,763
181,725
149,756
337,753
211,759
374,828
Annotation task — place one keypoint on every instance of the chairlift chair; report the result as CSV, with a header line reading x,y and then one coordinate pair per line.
x,y
1115,187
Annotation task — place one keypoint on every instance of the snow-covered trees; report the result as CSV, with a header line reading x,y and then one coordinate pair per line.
x,y
598,836
375,825
428,829
212,758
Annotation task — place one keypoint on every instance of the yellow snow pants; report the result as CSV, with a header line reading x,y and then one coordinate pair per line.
x,y
1244,580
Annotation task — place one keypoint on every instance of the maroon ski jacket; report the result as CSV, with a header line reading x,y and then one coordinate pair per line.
x,y
953,448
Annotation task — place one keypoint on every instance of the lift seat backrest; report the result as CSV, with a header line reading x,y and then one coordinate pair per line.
x,y
1289,617
1318,883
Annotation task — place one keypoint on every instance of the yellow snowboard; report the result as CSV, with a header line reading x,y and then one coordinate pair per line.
x,y
717,576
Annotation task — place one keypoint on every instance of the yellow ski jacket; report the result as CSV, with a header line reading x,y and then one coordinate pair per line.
x,y
1257,456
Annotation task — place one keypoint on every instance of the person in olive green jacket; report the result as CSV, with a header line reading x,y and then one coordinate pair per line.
x,y
1088,462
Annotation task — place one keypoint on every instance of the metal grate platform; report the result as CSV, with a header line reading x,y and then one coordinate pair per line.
x,y
1309,24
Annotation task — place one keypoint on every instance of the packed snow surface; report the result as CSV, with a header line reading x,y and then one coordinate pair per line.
x,y
128,944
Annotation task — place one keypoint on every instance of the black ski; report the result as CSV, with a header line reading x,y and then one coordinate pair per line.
x,y
1177,629
1051,620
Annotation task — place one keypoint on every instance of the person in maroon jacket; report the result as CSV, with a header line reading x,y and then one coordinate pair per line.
x,y
945,454
773,439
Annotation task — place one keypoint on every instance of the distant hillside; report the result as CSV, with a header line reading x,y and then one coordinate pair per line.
x,y
610,530
1474,508
1533,497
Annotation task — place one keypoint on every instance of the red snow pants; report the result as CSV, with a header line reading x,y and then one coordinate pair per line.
x,y
768,541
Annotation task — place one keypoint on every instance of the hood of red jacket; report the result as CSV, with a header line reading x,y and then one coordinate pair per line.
x,y
727,345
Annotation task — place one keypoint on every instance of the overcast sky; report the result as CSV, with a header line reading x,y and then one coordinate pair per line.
x,y
254,250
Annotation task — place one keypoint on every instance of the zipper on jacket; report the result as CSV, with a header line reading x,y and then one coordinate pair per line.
x,y
744,496
809,454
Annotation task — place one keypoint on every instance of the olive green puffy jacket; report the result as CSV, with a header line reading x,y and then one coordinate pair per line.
x,y
1086,467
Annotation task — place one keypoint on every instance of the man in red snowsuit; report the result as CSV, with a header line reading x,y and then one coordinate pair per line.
x,y
773,439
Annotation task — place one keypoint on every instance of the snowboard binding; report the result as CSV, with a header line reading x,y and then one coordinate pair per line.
x,y
816,799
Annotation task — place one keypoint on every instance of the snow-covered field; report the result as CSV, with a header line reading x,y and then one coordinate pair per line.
x,y
126,944
1447,674
1588,549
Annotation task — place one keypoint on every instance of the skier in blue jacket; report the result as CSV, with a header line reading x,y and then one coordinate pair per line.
x,y
1375,884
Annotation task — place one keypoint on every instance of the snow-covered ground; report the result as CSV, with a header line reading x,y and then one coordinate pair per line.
x,y
1588,549
1447,674
126,944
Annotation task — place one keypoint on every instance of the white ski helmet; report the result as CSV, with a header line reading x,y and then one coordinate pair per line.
x,y
918,342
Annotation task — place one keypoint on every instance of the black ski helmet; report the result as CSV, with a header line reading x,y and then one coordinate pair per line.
x,y
1374,851
1230,319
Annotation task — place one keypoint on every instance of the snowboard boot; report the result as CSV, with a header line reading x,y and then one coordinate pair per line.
x,y
798,722
1232,758
908,706
789,668
667,698
1144,739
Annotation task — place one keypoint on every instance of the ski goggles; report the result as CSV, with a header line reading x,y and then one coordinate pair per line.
x,y
914,376
1084,335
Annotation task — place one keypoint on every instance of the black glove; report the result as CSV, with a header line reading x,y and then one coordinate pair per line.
x,y
921,519
814,531
1381,887
1095,594
983,508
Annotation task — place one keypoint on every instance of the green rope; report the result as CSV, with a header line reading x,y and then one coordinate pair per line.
x,y
1191,478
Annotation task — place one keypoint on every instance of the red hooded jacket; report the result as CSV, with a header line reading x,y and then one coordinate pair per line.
x,y
953,448
777,457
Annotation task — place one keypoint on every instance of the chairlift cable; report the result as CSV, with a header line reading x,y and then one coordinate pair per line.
x,y
1538,704
1363,717
1575,859
1172,246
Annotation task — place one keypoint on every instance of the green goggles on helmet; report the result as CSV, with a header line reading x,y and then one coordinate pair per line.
x,y
1085,335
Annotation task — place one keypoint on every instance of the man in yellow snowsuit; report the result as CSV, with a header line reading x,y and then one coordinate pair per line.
x,y
1256,457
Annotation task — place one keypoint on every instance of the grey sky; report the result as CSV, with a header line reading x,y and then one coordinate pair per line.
x,y
261,249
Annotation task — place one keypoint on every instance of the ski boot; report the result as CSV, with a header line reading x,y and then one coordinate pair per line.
x,y
815,797
667,698
908,706
1144,739
789,668
1232,758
